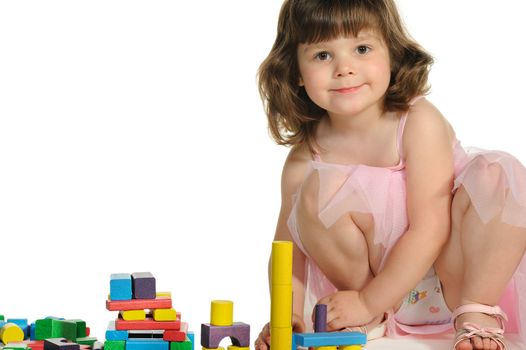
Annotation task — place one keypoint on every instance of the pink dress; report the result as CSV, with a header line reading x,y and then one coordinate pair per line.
x,y
381,192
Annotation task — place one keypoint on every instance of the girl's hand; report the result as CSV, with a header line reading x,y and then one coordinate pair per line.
x,y
345,309
263,340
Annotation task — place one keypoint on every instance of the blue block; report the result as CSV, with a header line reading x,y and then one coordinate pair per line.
x,y
191,336
113,334
120,286
2,323
329,339
32,329
147,344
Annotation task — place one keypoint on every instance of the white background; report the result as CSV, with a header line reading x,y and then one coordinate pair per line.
x,y
132,138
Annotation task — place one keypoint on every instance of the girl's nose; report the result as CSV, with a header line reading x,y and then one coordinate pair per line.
x,y
345,68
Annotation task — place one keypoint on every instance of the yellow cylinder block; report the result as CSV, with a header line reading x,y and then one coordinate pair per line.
x,y
10,332
133,315
219,348
222,313
281,265
281,338
281,306
326,348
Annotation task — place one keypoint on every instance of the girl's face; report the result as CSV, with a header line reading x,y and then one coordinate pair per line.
x,y
346,75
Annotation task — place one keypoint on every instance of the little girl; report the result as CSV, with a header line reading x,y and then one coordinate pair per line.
x,y
396,227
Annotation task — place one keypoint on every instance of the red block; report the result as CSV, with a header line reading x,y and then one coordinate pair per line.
x,y
139,304
87,331
33,344
147,324
176,335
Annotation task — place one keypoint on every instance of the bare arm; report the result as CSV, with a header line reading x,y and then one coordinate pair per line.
x,y
429,166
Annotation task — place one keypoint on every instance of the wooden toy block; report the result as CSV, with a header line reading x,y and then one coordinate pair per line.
x,y
176,335
182,345
281,296
233,347
120,286
16,346
60,344
320,318
32,344
63,329
330,339
350,347
219,348
327,347
97,345
10,332
147,324
88,330
86,341
164,314
113,334
143,285
2,318
114,345
147,344
82,330
164,294
22,323
133,315
211,336
221,313
136,304
44,328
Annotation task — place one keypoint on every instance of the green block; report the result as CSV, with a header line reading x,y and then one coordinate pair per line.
x,y
64,329
86,341
43,328
2,318
16,347
81,328
179,345
114,345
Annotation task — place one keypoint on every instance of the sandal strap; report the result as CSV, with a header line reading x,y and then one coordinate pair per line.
x,y
470,330
496,311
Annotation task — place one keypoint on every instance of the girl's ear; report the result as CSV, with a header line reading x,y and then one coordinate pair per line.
x,y
300,82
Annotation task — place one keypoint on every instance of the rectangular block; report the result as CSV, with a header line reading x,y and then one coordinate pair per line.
x,y
176,335
182,345
239,333
133,315
147,344
330,339
164,314
63,329
136,304
82,330
147,324
113,334
120,286
60,344
86,341
114,345
191,337
143,285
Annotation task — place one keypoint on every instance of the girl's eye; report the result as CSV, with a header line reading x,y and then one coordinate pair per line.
x,y
362,49
322,56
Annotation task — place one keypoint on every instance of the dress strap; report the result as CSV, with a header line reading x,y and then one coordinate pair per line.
x,y
401,126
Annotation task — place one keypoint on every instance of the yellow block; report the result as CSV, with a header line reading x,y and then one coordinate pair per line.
x,y
281,262
10,332
164,294
350,347
222,313
219,348
281,305
133,315
326,348
281,338
233,347
164,314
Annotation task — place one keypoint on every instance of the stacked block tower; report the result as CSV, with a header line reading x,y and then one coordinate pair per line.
x,y
146,320
221,326
46,334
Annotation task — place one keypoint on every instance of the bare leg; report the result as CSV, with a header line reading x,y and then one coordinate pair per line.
x,y
340,251
477,264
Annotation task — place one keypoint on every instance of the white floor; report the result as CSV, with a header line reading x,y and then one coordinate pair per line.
x,y
443,343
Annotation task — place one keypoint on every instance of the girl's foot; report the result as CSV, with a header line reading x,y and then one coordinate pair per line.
x,y
479,327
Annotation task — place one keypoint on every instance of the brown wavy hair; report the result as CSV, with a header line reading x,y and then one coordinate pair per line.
x,y
292,115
